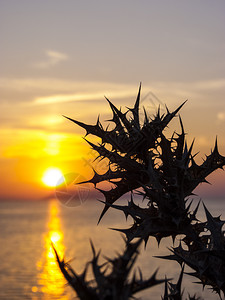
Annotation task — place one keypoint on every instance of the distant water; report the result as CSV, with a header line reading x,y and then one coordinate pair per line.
x,y
28,269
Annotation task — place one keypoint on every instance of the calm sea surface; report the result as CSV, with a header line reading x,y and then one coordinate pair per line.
x,y
28,269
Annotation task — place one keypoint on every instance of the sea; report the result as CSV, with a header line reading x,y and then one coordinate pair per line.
x,y
28,267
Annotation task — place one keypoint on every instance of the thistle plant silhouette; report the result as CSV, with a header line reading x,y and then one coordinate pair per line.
x,y
162,170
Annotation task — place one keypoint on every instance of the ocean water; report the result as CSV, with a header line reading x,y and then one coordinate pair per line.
x,y
28,269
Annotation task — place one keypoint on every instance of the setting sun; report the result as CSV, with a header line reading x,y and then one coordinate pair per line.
x,y
52,177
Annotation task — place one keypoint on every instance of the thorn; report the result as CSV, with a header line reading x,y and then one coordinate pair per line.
x,y
167,110
93,248
179,108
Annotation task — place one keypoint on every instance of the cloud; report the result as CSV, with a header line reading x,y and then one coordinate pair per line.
x,y
52,58
84,96
50,90
53,90
54,85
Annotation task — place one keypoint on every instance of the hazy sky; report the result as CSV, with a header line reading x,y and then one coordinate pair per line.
x,y
62,57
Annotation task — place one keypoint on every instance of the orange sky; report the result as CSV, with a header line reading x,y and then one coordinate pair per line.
x,y
26,153
66,63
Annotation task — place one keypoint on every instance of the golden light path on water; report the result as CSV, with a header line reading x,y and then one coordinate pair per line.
x,y
51,280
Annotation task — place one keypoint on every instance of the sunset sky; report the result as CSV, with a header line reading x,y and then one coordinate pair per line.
x,y
62,57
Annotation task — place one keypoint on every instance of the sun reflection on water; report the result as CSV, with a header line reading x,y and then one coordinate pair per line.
x,y
51,281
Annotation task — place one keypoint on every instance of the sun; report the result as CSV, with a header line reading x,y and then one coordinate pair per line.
x,y
52,177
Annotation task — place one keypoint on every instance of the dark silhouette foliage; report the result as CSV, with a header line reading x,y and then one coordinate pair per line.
x,y
163,170
111,279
